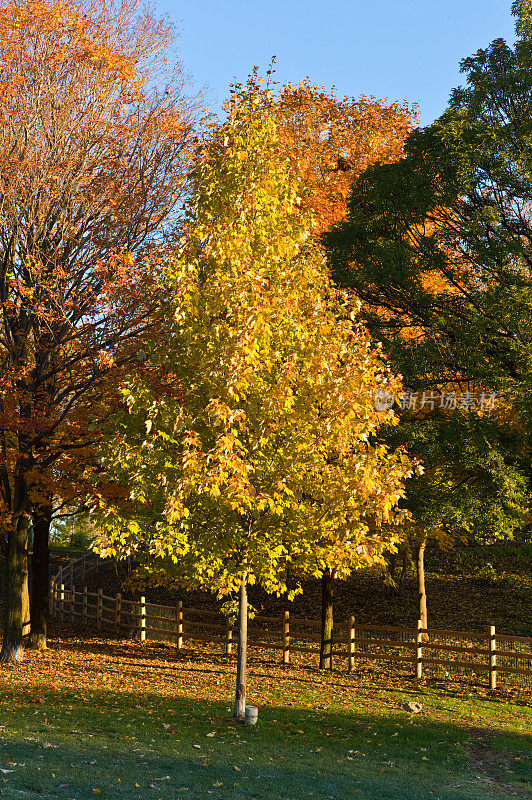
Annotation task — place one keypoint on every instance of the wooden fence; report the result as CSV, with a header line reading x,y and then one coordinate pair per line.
x,y
450,653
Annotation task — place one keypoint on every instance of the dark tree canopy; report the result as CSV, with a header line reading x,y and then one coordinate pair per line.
x,y
439,244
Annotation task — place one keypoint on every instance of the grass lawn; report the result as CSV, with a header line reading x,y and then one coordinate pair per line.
x,y
109,719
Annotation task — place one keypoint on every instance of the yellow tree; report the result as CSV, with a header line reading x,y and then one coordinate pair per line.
x,y
265,457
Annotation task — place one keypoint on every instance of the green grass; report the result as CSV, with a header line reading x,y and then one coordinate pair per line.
x,y
81,744
67,551
96,718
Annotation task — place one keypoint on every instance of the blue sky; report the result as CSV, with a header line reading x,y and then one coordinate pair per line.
x,y
399,49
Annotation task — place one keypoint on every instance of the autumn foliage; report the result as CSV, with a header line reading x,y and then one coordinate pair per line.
x,y
97,139
333,139
267,461
95,135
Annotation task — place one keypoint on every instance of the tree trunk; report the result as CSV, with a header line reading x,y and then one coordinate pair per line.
x,y
398,589
402,580
327,620
241,662
26,614
391,590
16,612
40,569
422,595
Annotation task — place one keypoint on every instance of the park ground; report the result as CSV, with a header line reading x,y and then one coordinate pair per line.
x,y
117,719
95,716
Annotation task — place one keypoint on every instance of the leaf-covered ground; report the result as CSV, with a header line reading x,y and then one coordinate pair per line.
x,y
98,717
115,719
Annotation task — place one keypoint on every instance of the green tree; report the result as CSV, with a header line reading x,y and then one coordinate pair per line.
x,y
438,247
263,456
439,244
471,487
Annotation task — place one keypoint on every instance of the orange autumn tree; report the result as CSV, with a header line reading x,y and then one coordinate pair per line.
x,y
333,139
96,135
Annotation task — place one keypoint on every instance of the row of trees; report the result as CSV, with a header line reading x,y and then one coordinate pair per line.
x,y
99,142
432,284
438,247
182,350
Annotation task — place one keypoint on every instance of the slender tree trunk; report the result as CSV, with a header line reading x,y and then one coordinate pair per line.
x,y
402,580
26,613
241,664
422,595
391,591
16,612
40,568
327,619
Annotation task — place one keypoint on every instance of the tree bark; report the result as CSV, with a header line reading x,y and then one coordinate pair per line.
x,y
241,663
402,580
391,590
16,612
40,570
422,595
398,588
327,619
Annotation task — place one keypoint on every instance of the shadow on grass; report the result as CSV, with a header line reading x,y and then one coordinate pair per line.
x,y
81,744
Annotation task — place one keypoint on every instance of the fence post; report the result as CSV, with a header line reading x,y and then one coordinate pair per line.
x,y
71,571
351,643
419,650
84,614
83,567
99,609
118,610
286,637
493,658
59,584
142,619
179,625
228,637
62,597
72,601
51,599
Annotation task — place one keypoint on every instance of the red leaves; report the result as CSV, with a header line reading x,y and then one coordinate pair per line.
x,y
91,167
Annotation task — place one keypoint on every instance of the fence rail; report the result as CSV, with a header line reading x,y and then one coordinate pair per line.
x,y
505,658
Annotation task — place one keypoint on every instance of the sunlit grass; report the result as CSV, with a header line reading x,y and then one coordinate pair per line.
x,y
116,720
